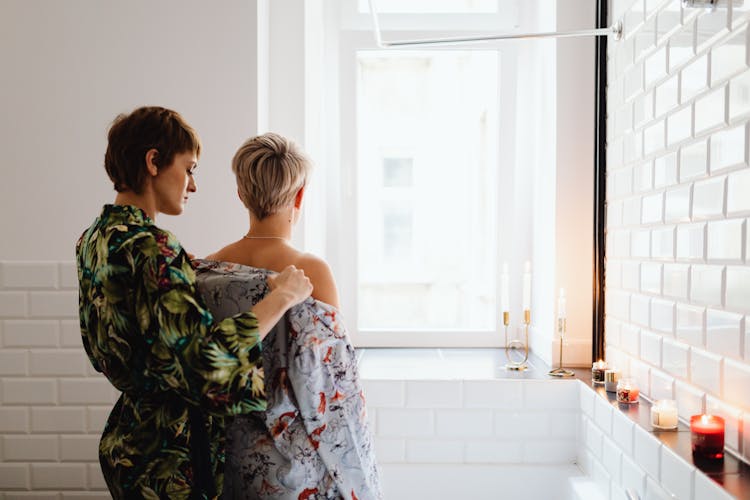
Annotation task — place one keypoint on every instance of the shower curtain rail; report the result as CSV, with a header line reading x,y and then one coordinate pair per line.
x,y
615,30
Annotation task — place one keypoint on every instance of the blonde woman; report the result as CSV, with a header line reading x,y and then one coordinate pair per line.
x,y
313,440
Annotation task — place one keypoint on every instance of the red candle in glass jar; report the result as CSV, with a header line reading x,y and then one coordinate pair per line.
x,y
707,436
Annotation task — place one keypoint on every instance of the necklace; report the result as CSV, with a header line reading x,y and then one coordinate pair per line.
x,y
247,236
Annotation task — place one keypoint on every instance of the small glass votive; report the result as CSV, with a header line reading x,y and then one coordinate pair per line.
x,y
664,414
611,377
597,372
627,391
707,437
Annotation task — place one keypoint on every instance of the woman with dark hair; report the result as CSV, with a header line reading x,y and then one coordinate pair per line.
x,y
147,329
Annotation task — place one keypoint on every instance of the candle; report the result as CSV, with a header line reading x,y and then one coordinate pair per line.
x,y
627,391
527,286
561,303
707,436
664,414
504,286
611,377
597,372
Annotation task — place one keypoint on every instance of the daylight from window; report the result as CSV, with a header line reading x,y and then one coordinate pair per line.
x,y
427,154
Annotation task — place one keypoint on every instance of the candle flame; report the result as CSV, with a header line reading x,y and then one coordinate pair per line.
x,y
705,419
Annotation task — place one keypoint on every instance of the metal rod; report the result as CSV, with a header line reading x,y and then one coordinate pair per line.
x,y
615,30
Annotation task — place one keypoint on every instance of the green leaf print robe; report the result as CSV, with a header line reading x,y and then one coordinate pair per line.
x,y
146,328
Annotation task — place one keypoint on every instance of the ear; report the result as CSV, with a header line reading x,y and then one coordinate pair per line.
x,y
298,197
151,166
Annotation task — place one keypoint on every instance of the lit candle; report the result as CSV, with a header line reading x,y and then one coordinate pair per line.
x,y
561,303
597,372
504,292
664,414
627,391
707,436
527,286
611,377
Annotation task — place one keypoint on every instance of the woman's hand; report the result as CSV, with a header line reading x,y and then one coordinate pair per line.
x,y
292,284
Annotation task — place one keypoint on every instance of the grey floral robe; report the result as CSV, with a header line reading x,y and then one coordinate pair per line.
x,y
313,441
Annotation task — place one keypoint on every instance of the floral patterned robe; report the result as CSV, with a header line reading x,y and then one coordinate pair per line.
x,y
313,441
148,331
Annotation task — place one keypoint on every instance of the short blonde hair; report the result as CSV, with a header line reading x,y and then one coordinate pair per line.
x,y
270,169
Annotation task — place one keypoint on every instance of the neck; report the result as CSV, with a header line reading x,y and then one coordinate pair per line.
x,y
276,225
142,201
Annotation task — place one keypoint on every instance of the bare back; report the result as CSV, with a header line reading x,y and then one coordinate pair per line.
x,y
277,254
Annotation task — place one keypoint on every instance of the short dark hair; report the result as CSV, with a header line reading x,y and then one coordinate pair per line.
x,y
132,136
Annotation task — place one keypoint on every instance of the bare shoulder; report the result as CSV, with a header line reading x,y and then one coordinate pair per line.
x,y
321,277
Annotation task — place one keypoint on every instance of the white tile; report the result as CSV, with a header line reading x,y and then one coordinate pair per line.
x,y
29,274
651,347
710,26
662,243
676,280
13,304
563,425
689,324
639,309
434,451
634,81
705,370
429,394
739,95
514,425
653,138
724,240
631,211
708,198
666,97
587,397
676,474
62,362
662,385
494,452
645,38
655,67
662,316
640,242
594,439
619,243
708,489
559,394
651,277
393,422
690,241
613,279
633,477
57,419
622,182
27,391
689,399
729,58
668,20
694,161
622,432
463,423
95,478
641,372
652,208
738,185
30,333
681,46
13,362
732,421
631,276
724,333
603,415
633,146
30,448
728,149
705,284
70,334
679,125
738,289
14,476
677,204
96,418
709,111
630,338
694,78
58,476
646,451
68,275
63,304
736,382
675,357
14,420
492,394
79,448
549,451
665,170
643,108
384,393
86,391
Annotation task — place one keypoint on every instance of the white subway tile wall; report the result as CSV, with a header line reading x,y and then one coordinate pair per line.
x,y
683,287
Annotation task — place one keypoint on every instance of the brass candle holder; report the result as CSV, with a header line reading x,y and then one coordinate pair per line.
x,y
516,362
561,372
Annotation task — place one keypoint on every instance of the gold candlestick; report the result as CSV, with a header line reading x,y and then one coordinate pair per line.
x,y
560,371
